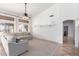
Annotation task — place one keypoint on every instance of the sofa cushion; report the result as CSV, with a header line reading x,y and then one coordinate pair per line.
x,y
10,38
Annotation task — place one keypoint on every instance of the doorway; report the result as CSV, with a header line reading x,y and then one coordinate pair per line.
x,y
66,31
69,33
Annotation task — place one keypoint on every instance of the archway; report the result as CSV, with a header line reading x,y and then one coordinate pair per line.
x,y
69,32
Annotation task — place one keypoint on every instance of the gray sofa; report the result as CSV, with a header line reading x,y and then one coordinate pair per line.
x,y
15,43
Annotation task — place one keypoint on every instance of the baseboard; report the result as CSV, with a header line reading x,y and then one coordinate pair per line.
x,y
46,40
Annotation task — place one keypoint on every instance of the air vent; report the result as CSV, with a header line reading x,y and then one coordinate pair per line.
x,y
51,15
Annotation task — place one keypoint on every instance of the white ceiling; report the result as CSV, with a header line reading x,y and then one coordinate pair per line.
x,y
18,8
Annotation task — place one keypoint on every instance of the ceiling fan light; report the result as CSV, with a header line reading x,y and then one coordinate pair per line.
x,y
25,17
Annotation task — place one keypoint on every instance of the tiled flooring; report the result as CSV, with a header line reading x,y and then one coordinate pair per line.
x,y
38,47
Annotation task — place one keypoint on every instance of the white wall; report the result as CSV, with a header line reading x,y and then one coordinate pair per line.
x,y
40,22
61,12
70,11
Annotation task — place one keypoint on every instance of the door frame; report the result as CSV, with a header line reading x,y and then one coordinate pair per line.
x,y
63,30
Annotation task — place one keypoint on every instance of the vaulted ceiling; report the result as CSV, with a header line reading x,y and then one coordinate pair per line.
x,y
18,8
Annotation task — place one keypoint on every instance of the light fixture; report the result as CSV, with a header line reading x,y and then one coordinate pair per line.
x,y
25,17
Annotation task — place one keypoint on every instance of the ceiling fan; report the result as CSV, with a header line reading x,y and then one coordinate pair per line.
x,y
25,17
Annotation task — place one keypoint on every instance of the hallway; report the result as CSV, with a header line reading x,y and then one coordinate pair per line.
x,y
68,42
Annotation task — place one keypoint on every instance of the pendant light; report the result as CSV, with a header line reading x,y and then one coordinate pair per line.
x,y
25,17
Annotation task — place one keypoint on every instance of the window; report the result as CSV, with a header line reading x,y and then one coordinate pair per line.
x,y
6,27
23,28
